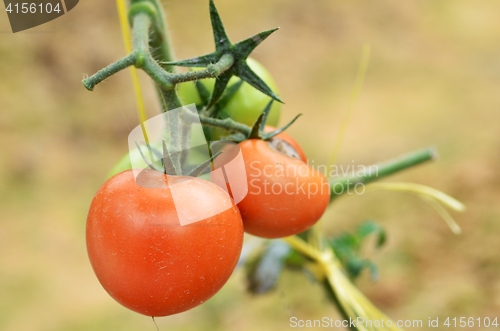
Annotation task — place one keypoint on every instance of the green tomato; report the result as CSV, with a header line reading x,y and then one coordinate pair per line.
x,y
245,106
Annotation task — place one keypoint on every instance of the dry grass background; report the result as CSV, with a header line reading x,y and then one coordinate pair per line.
x,y
434,78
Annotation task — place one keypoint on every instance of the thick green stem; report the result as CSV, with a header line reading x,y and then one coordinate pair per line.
x,y
142,23
160,41
141,26
170,99
381,170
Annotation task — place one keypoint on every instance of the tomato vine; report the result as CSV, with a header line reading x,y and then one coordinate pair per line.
x,y
329,257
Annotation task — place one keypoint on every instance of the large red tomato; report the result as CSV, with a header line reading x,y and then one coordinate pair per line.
x,y
285,195
144,258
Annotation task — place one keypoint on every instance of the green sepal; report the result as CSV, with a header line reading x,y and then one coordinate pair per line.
x,y
168,164
255,133
199,61
150,165
203,92
269,135
240,51
242,70
219,87
228,94
260,123
245,47
202,167
222,42
266,112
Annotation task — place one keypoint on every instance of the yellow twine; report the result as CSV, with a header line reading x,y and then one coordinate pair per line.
x,y
141,109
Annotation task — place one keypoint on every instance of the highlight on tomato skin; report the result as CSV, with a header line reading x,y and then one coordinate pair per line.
x,y
145,259
285,195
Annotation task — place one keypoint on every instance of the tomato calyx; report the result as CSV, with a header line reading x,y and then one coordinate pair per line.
x,y
257,131
237,53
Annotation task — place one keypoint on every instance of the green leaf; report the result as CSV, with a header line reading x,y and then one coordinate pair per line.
x,y
369,227
347,246
355,265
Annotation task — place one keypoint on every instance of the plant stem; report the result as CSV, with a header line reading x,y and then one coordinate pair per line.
x,y
110,70
212,71
162,44
350,301
317,256
332,296
227,124
142,24
340,186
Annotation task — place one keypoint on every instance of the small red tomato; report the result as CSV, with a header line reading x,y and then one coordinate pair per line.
x,y
144,258
285,196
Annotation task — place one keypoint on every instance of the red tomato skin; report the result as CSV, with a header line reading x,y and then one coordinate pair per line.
x,y
145,259
280,214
